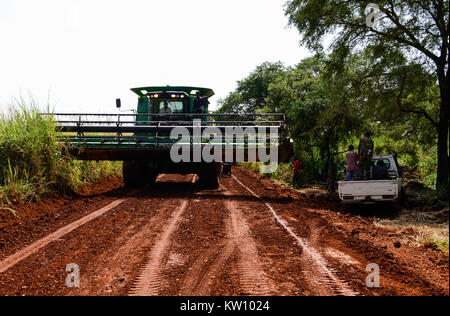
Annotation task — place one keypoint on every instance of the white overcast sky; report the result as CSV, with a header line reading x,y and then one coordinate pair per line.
x,y
87,53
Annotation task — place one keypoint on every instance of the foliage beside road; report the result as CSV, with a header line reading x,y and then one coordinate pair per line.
x,y
32,161
392,81
324,117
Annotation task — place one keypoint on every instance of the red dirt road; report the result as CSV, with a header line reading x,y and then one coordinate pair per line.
x,y
250,237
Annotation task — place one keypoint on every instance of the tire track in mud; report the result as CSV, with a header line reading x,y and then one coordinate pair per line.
x,y
116,266
254,280
41,243
198,282
151,278
317,270
237,243
207,266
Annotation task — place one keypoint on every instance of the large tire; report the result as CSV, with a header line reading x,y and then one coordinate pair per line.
x,y
137,174
209,176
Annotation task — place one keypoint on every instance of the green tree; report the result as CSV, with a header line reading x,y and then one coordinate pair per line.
x,y
321,111
400,102
252,91
232,104
418,30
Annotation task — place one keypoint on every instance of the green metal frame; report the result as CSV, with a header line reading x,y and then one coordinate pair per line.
x,y
145,134
205,92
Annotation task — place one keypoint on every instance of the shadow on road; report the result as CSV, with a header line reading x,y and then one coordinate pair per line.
x,y
382,210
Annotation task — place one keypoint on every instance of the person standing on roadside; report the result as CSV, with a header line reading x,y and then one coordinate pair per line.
x,y
352,164
296,183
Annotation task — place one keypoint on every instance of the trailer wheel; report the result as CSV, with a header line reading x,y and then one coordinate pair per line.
x,y
209,176
137,174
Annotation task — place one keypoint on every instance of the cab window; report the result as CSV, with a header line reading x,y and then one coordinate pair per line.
x,y
387,163
174,106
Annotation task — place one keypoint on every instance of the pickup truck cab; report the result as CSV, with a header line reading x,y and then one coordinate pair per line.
x,y
374,191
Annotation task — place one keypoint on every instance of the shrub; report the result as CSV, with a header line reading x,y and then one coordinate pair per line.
x,y
32,161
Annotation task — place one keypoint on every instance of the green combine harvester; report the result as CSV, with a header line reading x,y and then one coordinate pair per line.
x,y
144,140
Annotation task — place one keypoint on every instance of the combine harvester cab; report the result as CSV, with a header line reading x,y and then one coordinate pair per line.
x,y
166,117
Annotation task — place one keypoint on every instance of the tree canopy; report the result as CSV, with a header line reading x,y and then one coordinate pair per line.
x,y
252,91
413,33
329,102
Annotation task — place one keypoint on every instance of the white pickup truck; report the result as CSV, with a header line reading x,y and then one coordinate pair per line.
x,y
373,191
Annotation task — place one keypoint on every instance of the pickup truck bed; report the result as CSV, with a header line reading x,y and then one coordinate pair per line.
x,y
369,191
373,191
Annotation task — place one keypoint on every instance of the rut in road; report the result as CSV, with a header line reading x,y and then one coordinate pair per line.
x,y
254,280
199,281
210,264
41,243
150,279
317,269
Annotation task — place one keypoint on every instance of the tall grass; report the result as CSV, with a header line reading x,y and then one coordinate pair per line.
x,y
32,161
283,173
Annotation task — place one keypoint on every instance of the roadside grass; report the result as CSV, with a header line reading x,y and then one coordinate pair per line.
x,y
283,174
90,171
428,229
32,161
254,166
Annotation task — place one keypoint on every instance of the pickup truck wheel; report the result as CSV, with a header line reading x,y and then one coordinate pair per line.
x,y
398,207
209,176
403,197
